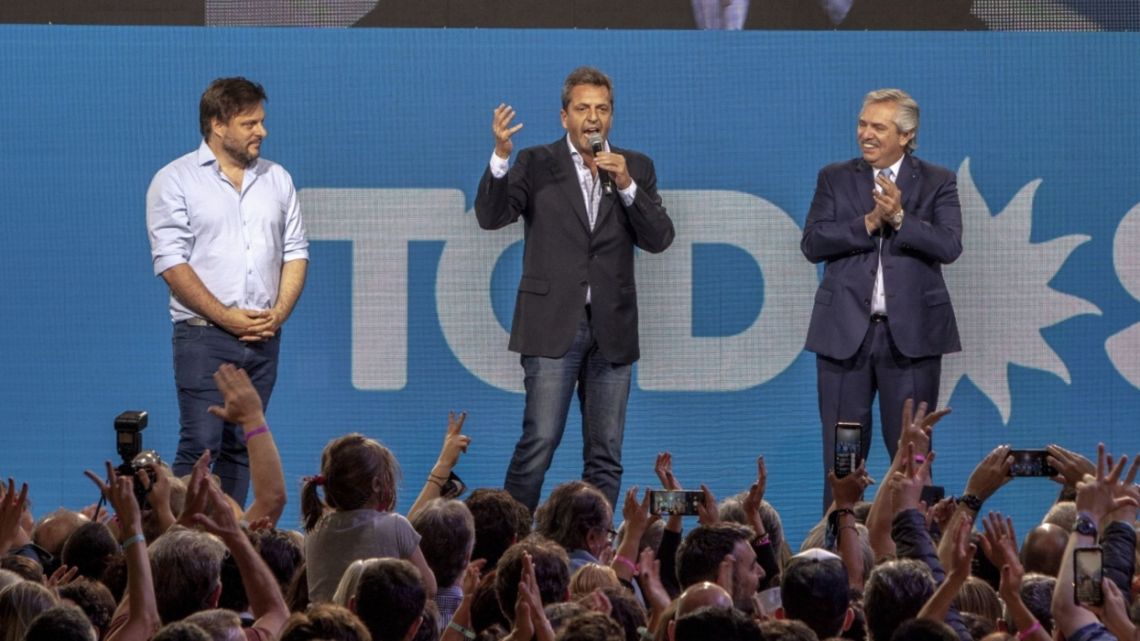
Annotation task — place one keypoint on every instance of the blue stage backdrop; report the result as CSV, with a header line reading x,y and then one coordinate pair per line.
x,y
404,316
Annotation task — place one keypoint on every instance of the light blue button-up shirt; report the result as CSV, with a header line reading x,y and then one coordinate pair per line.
x,y
235,242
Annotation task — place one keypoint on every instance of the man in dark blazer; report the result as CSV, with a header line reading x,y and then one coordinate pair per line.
x,y
575,320
884,224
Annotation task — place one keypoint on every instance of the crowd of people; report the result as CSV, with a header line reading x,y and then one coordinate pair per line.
x,y
190,563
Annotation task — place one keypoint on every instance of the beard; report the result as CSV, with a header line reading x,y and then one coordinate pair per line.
x,y
240,153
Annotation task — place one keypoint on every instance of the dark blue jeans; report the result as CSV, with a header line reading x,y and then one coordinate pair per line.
x,y
198,352
603,389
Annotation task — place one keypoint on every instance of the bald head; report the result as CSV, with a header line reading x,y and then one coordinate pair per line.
x,y
1043,548
701,595
53,529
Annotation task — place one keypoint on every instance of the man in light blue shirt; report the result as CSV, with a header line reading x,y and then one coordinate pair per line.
x,y
227,237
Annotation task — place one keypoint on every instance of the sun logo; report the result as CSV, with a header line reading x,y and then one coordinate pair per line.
x,y
1001,293
1124,346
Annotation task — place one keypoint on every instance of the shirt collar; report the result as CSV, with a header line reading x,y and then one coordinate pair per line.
x,y
576,155
894,168
206,155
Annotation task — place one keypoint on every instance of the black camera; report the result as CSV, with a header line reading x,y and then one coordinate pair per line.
x,y
128,440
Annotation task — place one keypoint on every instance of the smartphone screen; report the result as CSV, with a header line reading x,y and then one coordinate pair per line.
x,y
1087,576
1030,463
848,446
670,502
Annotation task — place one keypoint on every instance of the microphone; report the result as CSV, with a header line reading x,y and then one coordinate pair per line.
x,y
597,144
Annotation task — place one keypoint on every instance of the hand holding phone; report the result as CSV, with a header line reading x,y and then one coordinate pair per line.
x,y
1087,576
848,448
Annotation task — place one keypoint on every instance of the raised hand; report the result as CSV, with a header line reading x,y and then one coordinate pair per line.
x,y
242,403
664,469
12,506
1071,467
1101,494
755,494
991,473
918,426
196,496
120,493
906,483
455,442
848,490
707,512
502,128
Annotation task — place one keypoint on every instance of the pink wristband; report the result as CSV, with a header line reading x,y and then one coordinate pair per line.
x,y
264,429
627,563
1024,634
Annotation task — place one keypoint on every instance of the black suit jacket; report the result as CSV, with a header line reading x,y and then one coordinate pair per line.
x,y
953,15
561,256
918,304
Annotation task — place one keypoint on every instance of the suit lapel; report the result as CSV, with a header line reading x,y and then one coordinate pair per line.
x,y
606,204
909,183
864,181
566,175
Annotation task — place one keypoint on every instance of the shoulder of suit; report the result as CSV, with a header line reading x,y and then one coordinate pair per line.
x,y
929,168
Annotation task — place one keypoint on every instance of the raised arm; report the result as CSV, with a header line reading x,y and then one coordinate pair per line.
x,y
1097,496
139,606
265,600
846,492
243,407
455,442
500,200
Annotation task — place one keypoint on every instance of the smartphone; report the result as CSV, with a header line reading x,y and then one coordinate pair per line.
x,y
453,487
671,502
932,494
1087,576
1030,463
848,447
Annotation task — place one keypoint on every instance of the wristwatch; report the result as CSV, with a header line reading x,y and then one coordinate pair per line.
x,y
972,502
1085,525
896,219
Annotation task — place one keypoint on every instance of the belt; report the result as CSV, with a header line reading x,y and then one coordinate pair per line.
x,y
198,322
878,318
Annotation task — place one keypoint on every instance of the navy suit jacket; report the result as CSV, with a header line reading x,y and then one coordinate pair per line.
x,y
561,255
918,304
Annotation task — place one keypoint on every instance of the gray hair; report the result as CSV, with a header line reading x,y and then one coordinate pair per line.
x,y
448,535
221,625
906,118
187,567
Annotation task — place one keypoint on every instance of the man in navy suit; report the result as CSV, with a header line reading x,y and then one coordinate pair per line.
x,y
575,320
884,224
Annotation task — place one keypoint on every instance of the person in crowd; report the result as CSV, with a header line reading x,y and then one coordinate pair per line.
x,y
500,522
324,622
814,589
707,547
356,519
448,536
61,623
390,599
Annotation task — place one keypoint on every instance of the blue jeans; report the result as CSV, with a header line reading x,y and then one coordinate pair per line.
x,y
603,389
198,352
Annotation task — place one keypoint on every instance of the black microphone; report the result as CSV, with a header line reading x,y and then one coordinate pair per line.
x,y
597,144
